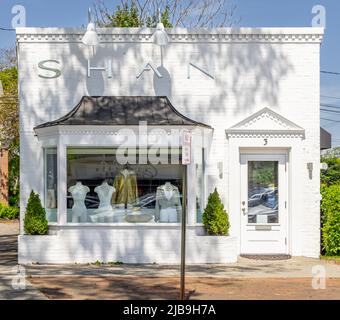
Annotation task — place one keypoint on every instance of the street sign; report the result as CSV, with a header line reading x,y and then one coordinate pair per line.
x,y
186,147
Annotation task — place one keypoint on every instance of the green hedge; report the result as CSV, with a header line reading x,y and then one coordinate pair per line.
x,y
332,174
8,212
330,207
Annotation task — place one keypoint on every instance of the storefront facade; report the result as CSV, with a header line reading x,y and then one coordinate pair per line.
x,y
119,141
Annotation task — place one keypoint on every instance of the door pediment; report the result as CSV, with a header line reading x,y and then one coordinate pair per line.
x,y
265,122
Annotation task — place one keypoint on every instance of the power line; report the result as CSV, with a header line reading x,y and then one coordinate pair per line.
x,y
7,29
330,72
329,106
330,120
330,97
333,111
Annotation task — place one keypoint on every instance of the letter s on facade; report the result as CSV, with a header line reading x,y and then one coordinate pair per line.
x,y
42,65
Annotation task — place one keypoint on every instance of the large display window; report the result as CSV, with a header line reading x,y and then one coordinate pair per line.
x,y
103,190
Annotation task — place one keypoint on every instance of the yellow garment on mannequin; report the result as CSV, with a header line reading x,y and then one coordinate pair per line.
x,y
126,188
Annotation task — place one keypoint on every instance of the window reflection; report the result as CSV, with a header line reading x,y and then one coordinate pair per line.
x,y
263,195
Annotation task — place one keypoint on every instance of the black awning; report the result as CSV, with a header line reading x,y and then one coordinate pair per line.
x,y
122,111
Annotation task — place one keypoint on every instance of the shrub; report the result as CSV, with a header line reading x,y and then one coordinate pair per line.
x,y
215,218
330,206
35,218
332,174
8,212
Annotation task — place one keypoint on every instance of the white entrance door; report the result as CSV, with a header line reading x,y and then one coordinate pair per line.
x,y
263,207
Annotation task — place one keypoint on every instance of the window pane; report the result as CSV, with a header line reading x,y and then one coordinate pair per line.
x,y
51,184
263,193
100,190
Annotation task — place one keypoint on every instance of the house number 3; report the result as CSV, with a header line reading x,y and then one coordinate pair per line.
x,y
265,142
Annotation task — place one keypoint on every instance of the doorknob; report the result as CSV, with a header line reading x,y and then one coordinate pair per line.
x,y
244,209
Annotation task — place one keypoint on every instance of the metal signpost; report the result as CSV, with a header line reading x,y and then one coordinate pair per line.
x,y
186,159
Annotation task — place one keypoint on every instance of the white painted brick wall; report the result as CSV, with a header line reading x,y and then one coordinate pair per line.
x,y
133,244
249,75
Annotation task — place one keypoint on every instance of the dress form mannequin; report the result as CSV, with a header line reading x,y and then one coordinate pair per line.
x,y
104,192
168,205
126,191
79,211
168,190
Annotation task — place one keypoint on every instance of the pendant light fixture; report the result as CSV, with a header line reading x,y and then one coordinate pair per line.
x,y
160,37
90,37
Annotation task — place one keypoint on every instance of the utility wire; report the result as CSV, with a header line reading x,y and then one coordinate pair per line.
x,y
333,111
330,120
330,72
6,29
330,97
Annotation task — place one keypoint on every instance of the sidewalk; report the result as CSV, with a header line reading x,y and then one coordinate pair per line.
x,y
296,267
8,262
246,279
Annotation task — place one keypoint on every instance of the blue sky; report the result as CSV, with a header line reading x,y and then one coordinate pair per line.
x,y
253,13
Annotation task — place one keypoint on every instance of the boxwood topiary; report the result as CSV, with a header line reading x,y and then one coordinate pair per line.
x,y
215,218
330,207
35,218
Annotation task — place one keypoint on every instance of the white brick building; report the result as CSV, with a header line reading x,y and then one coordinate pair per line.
x,y
249,97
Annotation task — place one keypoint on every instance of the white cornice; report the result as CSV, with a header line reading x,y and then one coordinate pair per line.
x,y
216,35
55,131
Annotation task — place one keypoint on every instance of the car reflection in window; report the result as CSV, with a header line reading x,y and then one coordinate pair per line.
x,y
263,205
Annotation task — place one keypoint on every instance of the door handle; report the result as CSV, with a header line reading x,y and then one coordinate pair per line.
x,y
244,209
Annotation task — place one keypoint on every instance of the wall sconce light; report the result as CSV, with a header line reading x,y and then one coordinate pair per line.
x,y
310,169
220,169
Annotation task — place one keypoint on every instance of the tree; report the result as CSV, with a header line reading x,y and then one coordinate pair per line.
x,y
174,13
8,58
215,218
9,118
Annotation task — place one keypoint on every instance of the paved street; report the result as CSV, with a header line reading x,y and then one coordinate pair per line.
x,y
246,279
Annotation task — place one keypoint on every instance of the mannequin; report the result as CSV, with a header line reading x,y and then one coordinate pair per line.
x,y
168,203
104,192
126,191
79,211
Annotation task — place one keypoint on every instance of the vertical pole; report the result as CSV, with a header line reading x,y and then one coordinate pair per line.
x,y
183,232
4,176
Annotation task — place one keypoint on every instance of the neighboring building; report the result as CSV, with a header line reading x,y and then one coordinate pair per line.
x,y
239,108
325,139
